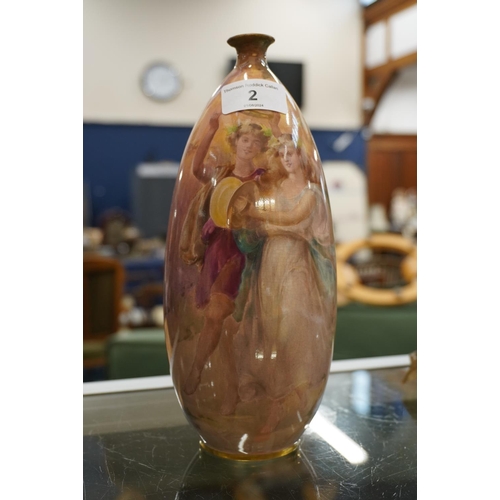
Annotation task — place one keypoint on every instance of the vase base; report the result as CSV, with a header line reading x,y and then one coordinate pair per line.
x,y
247,458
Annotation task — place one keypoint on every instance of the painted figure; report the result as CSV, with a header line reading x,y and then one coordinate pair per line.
x,y
214,250
286,330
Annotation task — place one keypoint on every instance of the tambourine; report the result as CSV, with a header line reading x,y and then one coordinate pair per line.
x,y
351,286
219,202
230,199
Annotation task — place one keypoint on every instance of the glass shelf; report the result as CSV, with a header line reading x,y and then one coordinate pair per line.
x,y
360,444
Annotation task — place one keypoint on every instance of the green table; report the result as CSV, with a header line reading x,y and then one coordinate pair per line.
x,y
362,332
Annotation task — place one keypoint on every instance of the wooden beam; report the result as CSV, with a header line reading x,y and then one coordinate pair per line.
x,y
383,9
392,65
374,89
378,79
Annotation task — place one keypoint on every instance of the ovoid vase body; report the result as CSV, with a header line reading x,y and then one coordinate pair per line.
x,y
250,277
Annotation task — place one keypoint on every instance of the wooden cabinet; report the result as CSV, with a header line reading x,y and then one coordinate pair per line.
x,y
391,163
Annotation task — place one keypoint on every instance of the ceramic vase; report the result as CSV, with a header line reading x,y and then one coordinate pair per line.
x,y
250,277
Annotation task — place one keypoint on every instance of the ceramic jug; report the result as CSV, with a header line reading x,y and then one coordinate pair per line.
x,y
250,276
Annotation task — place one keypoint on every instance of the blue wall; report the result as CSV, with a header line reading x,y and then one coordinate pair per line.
x,y
111,153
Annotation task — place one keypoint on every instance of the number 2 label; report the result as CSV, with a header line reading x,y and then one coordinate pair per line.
x,y
253,94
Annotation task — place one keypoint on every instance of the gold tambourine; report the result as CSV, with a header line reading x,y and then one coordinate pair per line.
x,y
351,286
221,196
245,196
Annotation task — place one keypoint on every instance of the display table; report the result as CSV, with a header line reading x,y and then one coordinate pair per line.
x,y
361,444
362,331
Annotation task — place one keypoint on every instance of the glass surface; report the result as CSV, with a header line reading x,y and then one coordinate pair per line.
x,y
361,444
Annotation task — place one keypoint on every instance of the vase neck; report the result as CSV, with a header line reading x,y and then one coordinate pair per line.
x,y
251,49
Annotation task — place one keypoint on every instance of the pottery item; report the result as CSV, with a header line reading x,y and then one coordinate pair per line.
x,y
250,284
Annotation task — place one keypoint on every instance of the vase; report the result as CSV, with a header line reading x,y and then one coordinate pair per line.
x,y
250,276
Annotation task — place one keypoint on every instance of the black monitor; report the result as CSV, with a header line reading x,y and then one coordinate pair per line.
x,y
289,74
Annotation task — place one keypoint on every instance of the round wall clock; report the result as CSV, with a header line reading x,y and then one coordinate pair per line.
x,y
161,82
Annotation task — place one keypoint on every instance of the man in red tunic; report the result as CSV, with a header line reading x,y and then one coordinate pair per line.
x,y
223,262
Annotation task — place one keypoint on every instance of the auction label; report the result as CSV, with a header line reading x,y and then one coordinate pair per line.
x,y
246,95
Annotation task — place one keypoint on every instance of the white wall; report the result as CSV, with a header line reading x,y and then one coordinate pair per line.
x,y
122,37
397,110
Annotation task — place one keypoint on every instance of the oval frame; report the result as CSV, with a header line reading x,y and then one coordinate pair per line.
x,y
373,296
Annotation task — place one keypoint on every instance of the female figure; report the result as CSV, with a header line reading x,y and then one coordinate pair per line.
x,y
287,325
215,251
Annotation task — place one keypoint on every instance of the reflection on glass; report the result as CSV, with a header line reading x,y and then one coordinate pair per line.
x,y
360,392
287,477
338,440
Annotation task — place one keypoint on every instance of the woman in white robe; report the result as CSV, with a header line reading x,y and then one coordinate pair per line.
x,y
285,339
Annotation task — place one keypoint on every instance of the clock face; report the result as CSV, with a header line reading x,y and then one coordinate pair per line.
x,y
161,82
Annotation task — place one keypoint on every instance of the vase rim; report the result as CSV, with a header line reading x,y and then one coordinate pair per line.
x,y
239,42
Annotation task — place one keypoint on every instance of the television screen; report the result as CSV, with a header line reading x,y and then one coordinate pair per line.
x,y
289,74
